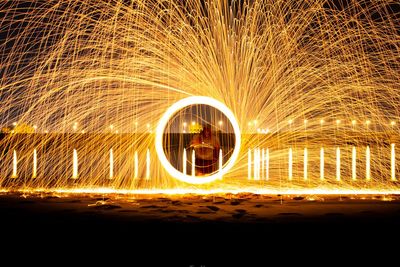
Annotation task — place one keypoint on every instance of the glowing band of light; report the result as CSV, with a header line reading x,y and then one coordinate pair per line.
x,y
367,163
321,164
305,164
354,163
75,164
171,111
256,164
220,163
393,162
111,164
15,165
249,164
136,162
184,162
290,164
193,163
259,163
337,164
262,164
148,164
267,165
34,169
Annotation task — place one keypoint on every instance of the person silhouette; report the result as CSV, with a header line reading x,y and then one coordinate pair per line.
x,y
206,145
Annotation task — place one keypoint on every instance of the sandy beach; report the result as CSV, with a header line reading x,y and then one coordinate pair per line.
x,y
193,224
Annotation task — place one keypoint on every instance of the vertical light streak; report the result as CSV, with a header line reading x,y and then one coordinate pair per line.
x,y
305,164
111,164
262,164
255,162
267,164
249,164
220,162
34,169
148,164
15,165
393,162
75,164
258,163
290,164
184,162
367,164
354,163
193,163
337,164
321,164
136,162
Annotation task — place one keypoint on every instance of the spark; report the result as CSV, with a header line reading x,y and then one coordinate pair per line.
x,y
104,66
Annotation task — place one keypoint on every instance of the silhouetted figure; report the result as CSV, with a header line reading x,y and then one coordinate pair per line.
x,y
206,146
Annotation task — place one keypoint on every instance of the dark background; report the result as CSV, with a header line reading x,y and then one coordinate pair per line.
x,y
100,237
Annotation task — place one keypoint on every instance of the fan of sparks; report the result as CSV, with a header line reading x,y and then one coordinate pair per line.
x,y
314,86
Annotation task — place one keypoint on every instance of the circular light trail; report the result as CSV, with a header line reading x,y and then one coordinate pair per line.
x,y
196,100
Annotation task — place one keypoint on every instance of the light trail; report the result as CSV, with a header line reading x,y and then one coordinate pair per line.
x,y
102,74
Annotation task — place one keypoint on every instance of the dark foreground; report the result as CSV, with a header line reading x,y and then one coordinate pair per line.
x,y
200,229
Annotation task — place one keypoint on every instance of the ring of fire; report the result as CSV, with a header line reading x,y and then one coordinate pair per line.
x,y
193,100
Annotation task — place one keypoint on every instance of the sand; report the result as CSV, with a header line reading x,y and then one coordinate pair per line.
x,y
197,229
242,208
